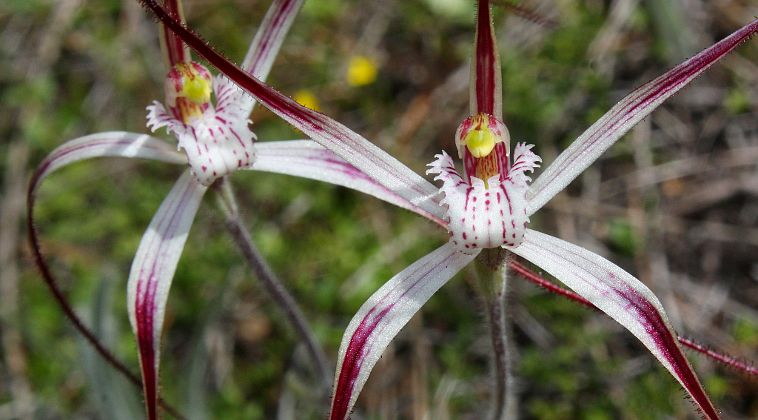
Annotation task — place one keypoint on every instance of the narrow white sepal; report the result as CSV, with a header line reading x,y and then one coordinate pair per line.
x,y
265,46
108,144
625,115
618,294
382,316
153,269
308,159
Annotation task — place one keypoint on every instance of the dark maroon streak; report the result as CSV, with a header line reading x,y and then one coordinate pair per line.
x,y
503,160
657,88
356,352
486,64
666,343
175,49
357,349
145,307
469,165
147,354
654,325
276,25
57,293
319,127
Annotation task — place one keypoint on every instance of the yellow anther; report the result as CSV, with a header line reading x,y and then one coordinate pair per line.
x,y
197,90
195,86
188,90
480,140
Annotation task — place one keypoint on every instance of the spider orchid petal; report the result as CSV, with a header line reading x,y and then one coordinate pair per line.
x,y
623,116
345,143
485,86
265,46
151,275
308,159
107,144
382,316
622,297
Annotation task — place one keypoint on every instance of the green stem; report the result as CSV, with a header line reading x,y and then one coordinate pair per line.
x,y
275,288
493,279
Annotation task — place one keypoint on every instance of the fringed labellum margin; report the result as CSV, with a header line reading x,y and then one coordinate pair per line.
x,y
487,208
217,140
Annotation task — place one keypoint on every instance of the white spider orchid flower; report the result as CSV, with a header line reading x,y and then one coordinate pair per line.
x,y
215,140
604,284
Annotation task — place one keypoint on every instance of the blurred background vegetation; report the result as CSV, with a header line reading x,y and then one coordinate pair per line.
x,y
674,203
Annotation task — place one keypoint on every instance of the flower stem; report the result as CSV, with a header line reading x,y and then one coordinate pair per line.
x,y
493,277
286,302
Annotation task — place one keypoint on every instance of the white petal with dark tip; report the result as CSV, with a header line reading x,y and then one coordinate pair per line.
x,y
621,296
623,116
153,271
380,319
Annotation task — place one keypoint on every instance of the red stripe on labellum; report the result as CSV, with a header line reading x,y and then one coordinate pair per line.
x,y
485,61
503,162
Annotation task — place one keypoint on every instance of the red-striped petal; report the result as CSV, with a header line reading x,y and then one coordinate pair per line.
x,y
623,116
151,275
383,315
622,297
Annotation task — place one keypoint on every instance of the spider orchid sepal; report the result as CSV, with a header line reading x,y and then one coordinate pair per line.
x,y
217,140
